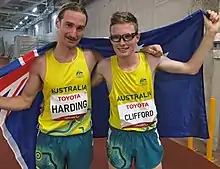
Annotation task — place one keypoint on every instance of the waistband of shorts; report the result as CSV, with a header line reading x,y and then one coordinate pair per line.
x,y
79,134
131,131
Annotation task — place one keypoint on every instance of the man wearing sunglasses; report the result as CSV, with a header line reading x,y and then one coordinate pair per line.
x,y
129,77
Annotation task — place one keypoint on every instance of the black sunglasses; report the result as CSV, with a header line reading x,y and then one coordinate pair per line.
x,y
126,37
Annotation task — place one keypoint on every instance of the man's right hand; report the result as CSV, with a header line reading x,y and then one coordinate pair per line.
x,y
29,92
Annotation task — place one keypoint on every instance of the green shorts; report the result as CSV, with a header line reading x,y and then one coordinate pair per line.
x,y
125,146
56,152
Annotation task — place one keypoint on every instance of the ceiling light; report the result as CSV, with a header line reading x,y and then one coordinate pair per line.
x,y
20,23
16,27
26,17
35,9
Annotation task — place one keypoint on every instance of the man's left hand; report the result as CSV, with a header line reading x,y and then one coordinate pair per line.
x,y
155,50
212,24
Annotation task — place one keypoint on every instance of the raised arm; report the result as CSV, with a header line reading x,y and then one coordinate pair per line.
x,y
27,96
212,26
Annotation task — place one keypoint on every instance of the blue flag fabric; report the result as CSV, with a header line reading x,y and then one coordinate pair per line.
x,y
179,98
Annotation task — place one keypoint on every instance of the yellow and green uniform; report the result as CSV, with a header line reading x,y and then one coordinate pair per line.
x,y
63,81
133,117
66,117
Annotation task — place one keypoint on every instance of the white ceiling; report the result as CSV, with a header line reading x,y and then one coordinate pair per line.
x,y
13,12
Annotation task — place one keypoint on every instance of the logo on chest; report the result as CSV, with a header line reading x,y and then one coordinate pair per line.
x,y
79,74
143,81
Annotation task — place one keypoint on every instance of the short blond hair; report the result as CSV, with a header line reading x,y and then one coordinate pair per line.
x,y
124,17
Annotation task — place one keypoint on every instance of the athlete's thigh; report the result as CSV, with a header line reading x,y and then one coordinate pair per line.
x,y
110,166
49,153
80,151
159,166
119,150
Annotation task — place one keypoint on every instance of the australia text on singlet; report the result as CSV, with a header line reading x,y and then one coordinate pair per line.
x,y
69,106
137,114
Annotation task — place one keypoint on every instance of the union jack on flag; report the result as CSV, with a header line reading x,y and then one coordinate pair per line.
x,y
13,78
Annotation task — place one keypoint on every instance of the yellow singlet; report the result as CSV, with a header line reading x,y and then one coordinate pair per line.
x,y
67,96
132,105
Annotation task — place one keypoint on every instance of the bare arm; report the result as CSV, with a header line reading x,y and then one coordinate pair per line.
x,y
93,61
98,56
27,96
195,63
92,58
154,50
97,76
